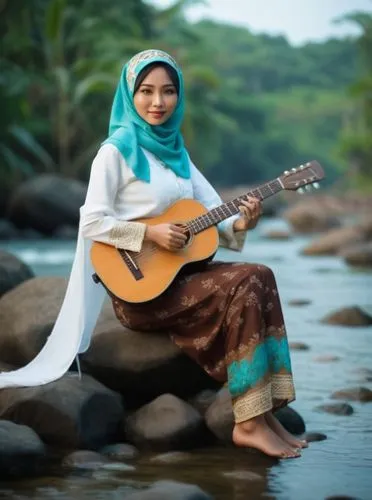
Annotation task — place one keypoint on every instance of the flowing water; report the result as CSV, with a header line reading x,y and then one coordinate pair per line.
x,y
339,465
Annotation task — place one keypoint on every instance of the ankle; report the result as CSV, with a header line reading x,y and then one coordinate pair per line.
x,y
250,425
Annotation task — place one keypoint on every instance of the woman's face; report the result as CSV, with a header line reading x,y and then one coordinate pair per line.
x,y
156,97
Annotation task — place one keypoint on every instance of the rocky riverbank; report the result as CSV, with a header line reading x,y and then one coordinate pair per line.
x,y
139,393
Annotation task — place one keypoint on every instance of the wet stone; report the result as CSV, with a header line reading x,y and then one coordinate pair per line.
x,y
299,302
341,497
327,358
337,409
172,457
117,466
202,401
298,346
291,420
84,459
243,475
348,316
311,437
120,451
361,394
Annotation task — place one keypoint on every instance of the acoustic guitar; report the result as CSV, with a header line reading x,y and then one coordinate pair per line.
x,y
142,276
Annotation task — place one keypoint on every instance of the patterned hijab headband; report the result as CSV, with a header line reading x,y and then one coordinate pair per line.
x,y
141,60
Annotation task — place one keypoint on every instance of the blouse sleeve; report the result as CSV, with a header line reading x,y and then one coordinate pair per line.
x,y
208,196
97,215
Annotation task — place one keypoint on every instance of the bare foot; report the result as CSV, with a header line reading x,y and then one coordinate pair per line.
x,y
256,433
286,436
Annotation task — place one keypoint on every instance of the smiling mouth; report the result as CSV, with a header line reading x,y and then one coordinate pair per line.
x,y
157,114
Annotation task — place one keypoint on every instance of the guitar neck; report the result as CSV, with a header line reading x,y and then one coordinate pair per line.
x,y
226,210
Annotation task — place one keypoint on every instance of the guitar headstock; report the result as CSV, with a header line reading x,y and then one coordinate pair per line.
x,y
305,175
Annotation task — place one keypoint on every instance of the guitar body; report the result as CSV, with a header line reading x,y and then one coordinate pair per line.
x,y
158,266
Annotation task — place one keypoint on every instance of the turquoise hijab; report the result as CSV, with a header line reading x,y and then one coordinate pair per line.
x,y
129,132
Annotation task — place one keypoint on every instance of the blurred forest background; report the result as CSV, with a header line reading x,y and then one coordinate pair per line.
x,y
256,105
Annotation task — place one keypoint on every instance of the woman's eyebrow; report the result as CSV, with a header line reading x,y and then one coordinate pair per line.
x,y
150,85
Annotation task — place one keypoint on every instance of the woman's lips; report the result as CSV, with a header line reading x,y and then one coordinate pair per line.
x,y
157,114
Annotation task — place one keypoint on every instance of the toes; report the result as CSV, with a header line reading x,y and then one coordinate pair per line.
x,y
292,454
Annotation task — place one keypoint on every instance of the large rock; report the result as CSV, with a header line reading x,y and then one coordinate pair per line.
x,y
12,272
311,216
219,417
141,365
7,230
21,448
47,202
27,315
361,394
69,413
336,240
359,255
348,316
167,423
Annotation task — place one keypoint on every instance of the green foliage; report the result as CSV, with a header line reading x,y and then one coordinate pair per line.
x,y
255,104
356,136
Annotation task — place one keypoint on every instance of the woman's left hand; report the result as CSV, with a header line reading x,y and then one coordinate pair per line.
x,y
251,210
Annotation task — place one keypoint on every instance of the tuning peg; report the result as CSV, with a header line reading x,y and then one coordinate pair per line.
x,y
286,172
294,169
300,190
308,187
316,185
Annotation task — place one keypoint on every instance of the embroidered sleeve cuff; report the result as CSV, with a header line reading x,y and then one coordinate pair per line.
x,y
128,235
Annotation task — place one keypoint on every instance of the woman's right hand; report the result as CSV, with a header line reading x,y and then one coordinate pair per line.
x,y
168,236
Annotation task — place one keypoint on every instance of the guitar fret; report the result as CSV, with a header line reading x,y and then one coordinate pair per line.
x,y
226,210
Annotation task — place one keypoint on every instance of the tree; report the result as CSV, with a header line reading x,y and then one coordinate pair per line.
x,y
356,139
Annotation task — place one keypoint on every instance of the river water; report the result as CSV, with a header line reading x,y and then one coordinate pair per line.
x,y
339,465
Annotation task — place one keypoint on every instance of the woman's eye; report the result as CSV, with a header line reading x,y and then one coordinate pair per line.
x,y
170,91
146,91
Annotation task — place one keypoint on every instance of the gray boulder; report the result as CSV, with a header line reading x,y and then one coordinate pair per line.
x,y
141,365
47,202
348,316
359,255
69,413
12,272
22,451
167,423
27,315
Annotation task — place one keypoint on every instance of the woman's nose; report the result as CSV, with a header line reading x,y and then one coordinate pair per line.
x,y
158,99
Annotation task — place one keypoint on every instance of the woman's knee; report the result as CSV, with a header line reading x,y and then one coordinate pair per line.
x,y
261,270
265,271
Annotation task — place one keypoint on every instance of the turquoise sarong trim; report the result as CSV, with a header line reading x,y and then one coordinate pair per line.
x,y
271,356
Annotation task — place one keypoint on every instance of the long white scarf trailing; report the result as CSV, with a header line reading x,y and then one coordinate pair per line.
x,y
72,330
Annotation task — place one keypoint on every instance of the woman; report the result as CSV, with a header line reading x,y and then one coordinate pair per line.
x,y
226,316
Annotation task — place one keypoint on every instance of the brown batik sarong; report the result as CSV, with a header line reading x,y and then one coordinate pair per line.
x,y
228,318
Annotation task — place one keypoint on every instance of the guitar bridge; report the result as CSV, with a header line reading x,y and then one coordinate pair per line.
x,y
131,264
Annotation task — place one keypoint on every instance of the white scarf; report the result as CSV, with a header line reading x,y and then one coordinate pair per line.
x,y
73,328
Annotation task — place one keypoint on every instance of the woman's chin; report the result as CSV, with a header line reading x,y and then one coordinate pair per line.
x,y
156,121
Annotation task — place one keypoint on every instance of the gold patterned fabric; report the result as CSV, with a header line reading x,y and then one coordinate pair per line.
x,y
128,235
228,318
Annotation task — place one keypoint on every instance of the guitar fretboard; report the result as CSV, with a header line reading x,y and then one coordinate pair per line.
x,y
231,207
